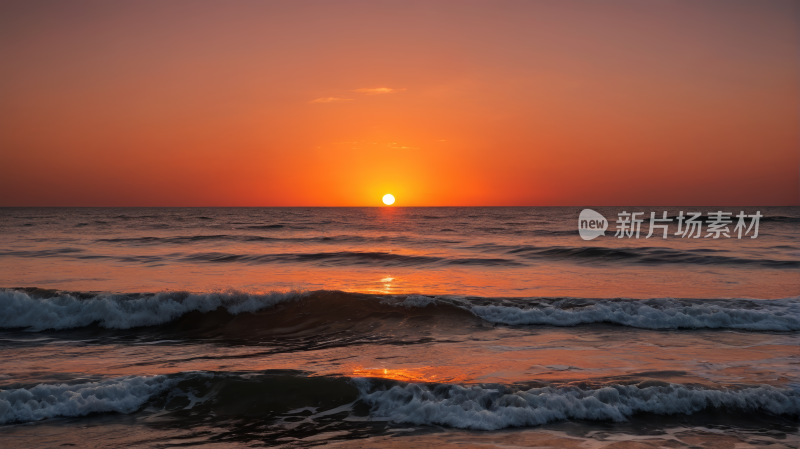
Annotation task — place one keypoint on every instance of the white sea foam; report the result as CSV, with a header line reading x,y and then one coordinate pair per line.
x,y
665,313
20,310
411,301
764,315
470,407
490,409
123,395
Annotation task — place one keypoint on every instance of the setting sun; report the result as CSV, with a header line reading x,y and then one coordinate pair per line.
x,y
388,199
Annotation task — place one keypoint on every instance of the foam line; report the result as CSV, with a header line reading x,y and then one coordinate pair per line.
x,y
665,313
124,395
19,310
484,408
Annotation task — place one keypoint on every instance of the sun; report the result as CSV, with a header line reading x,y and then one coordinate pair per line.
x,y
388,199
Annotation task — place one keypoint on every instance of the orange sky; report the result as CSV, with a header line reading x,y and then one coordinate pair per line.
x,y
300,103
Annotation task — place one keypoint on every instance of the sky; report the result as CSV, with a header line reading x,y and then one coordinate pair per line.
x,y
441,103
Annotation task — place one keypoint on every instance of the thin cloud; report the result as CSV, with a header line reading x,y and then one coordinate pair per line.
x,y
329,100
377,90
395,146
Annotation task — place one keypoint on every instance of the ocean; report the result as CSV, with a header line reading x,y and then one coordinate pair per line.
x,y
395,327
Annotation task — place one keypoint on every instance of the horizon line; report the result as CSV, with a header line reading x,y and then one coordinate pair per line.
x,y
392,207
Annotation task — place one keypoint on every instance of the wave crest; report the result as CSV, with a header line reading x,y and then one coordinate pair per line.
x,y
19,309
482,408
67,311
276,394
43,401
664,313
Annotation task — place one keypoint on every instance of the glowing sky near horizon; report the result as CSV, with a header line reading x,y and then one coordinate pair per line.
x,y
314,103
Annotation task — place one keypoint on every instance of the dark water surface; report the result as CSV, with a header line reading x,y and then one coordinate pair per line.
x,y
403,327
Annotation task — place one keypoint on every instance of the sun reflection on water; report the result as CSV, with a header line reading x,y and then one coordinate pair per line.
x,y
422,374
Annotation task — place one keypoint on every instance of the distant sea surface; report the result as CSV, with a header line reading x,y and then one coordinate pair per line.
x,y
395,327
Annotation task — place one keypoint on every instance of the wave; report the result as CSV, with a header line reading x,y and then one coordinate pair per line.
x,y
639,255
352,239
336,258
67,311
662,313
347,258
499,407
338,313
124,395
646,255
272,226
515,256
282,397
139,217
165,240
54,252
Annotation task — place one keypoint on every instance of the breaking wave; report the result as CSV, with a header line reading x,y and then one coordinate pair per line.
x,y
61,310
66,311
765,315
499,407
662,313
43,401
283,396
